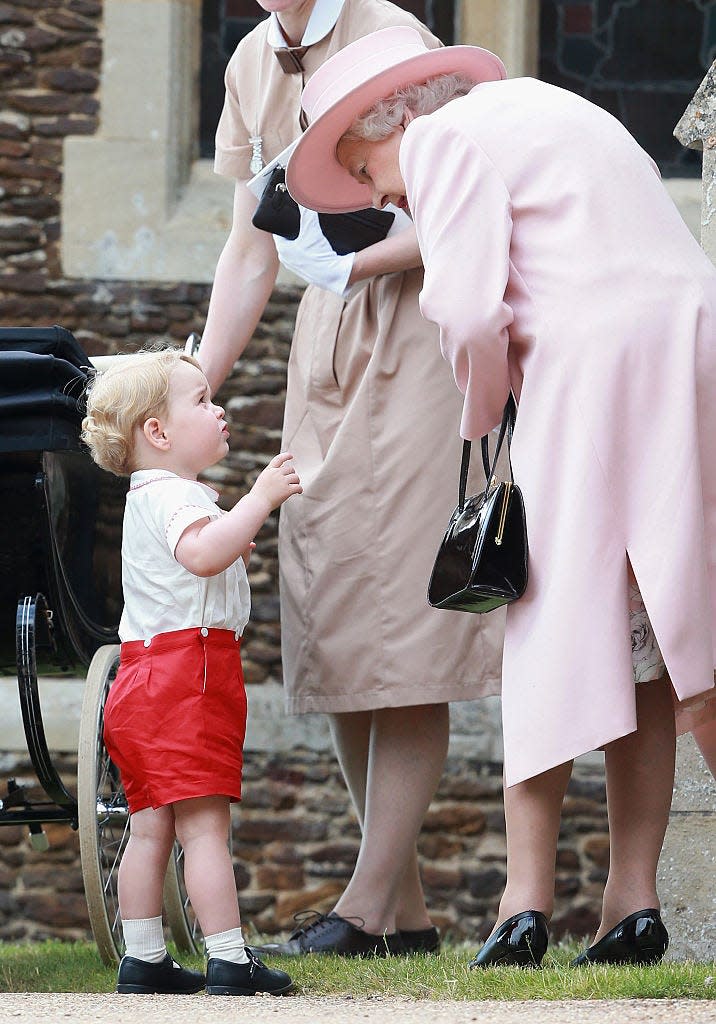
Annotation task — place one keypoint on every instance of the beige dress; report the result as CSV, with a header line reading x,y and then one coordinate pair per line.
x,y
372,418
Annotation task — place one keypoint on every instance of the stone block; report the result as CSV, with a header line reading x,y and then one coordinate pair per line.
x,y
567,858
279,878
301,829
282,853
596,849
321,898
485,884
438,847
578,920
441,876
465,820
54,908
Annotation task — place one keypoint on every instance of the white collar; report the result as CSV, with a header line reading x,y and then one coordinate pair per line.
x,y
142,477
323,17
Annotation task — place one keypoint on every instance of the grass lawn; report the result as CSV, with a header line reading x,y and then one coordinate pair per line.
x,y
75,967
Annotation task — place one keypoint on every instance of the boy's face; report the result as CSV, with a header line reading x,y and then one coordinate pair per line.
x,y
194,426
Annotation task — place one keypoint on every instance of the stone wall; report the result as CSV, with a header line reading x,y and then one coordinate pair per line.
x,y
295,841
50,57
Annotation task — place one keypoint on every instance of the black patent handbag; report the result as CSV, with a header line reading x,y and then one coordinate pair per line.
x,y
482,561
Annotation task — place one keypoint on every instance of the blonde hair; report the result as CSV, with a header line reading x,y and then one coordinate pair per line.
x,y
122,398
381,120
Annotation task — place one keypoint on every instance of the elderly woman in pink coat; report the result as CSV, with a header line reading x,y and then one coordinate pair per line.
x,y
556,267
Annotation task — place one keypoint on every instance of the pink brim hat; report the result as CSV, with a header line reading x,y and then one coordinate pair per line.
x,y
348,84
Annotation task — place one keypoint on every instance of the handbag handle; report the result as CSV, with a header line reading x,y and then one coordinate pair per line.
x,y
506,429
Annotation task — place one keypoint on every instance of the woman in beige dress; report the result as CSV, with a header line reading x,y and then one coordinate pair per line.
x,y
372,420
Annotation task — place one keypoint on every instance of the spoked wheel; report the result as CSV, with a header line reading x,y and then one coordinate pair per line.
x,y
182,920
103,811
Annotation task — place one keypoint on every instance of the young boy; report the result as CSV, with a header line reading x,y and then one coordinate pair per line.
x,y
175,717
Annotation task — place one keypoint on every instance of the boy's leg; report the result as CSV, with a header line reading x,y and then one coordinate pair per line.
x,y
144,863
202,828
146,966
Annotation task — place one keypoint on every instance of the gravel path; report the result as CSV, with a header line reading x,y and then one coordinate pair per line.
x,y
61,1008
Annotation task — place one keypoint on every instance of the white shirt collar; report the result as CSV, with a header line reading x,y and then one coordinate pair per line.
x,y
142,477
323,17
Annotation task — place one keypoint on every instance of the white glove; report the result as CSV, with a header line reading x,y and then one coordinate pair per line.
x,y
312,258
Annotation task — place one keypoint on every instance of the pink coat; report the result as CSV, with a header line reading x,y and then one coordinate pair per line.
x,y
557,264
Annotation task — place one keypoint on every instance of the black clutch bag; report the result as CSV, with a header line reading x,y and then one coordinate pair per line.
x,y
278,213
482,560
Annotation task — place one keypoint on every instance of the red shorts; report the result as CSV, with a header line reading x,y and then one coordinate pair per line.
x,y
175,718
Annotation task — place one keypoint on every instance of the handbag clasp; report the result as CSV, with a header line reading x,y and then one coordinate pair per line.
x,y
503,513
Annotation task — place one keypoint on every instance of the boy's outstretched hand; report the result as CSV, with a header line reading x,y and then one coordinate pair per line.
x,y
278,481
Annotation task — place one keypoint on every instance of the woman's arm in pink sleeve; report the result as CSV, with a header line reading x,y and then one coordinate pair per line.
x,y
462,213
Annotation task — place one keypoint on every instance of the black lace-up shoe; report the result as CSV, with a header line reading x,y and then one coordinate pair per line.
x,y
520,941
424,940
152,979
641,938
330,933
224,978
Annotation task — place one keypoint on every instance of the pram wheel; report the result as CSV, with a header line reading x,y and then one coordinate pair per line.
x,y
103,811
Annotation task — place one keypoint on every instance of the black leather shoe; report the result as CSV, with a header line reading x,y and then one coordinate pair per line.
x,y
520,941
224,978
640,938
330,933
424,940
151,979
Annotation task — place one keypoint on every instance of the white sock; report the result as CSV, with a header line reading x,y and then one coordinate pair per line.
x,y
144,939
228,945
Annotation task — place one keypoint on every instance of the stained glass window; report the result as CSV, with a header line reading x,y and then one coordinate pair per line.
x,y
642,60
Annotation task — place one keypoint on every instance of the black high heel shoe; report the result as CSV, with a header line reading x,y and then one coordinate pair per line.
x,y
520,941
640,938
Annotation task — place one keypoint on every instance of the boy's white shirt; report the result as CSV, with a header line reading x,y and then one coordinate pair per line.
x,y
160,595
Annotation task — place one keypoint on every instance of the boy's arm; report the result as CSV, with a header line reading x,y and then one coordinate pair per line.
x,y
209,546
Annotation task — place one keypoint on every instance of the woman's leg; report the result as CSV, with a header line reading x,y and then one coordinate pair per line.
x,y
202,828
532,815
705,736
392,770
640,779
140,880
